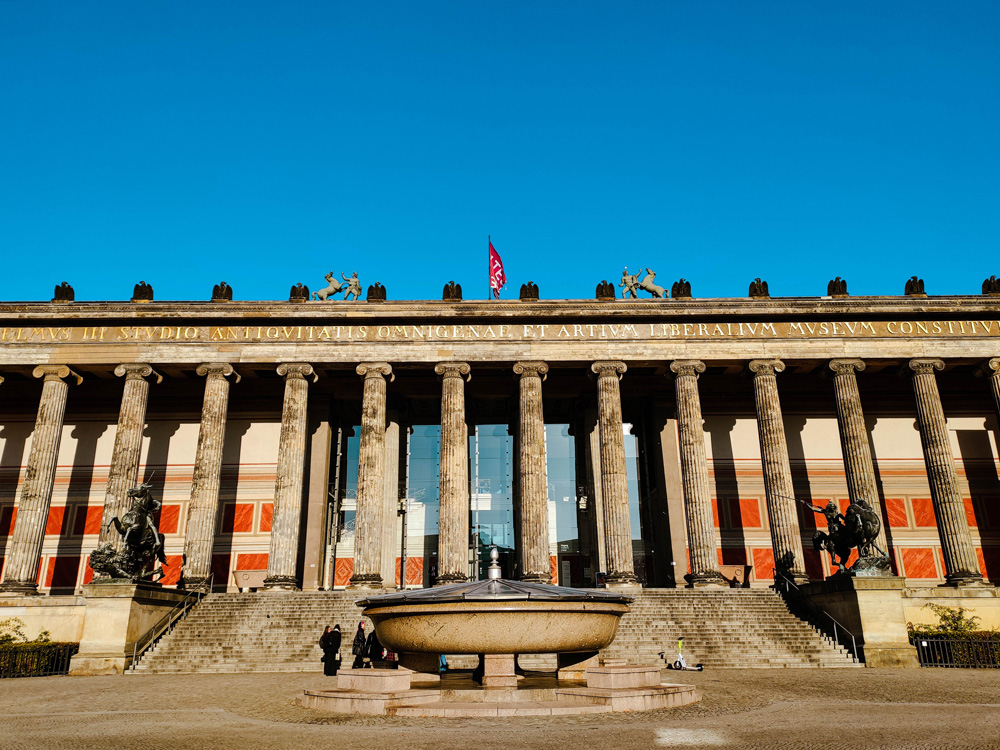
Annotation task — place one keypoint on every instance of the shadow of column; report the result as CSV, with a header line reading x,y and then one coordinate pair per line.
x,y
727,486
78,491
870,423
15,436
232,449
976,453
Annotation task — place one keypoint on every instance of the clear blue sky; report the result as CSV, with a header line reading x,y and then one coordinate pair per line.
x,y
266,143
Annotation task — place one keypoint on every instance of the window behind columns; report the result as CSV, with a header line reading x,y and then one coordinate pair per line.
x,y
491,476
422,503
572,568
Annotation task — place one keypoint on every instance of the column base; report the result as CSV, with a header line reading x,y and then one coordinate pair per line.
x,y
537,578
709,579
450,578
622,581
203,585
963,579
19,588
281,583
366,581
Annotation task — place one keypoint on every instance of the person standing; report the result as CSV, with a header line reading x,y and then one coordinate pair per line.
x,y
330,643
374,651
358,647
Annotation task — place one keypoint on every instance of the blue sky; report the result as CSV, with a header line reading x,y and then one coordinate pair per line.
x,y
267,143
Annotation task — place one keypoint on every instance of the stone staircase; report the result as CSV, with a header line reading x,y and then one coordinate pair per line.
x,y
733,628
279,632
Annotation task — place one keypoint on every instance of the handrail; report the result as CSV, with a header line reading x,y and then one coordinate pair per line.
x,y
166,623
816,614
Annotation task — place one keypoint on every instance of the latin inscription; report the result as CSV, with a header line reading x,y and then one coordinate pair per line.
x,y
738,330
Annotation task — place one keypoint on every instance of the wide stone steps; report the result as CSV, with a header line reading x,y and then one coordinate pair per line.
x,y
279,632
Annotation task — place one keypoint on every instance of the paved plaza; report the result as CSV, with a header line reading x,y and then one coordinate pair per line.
x,y
739,708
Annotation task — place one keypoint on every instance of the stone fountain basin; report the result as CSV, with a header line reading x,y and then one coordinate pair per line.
x,y
496,627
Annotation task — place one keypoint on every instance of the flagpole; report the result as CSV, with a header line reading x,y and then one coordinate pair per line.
x,y
489,266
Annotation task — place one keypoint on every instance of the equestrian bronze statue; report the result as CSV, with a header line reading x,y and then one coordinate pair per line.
x,y
142,543
858,527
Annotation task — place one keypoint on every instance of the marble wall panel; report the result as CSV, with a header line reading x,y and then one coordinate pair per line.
x,y
895,510
252,561
919,563
923,512
343,571
88,521
169,519
55,523
266,517
172,570
763,564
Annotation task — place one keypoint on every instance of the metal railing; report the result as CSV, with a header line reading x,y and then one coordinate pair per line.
x,y
818,617
36,659
957,653
167,623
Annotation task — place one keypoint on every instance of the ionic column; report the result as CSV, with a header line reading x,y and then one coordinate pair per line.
x,y
203,509
694,475
854,439
961,565
368,531
21,571
453,516
534,541
290,480
614,481
124,470
390,511
992,369
786,540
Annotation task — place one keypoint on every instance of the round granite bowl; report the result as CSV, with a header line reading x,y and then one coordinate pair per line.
x,y
496,617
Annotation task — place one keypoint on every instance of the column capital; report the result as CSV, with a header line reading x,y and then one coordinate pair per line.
x,y
137,371
687,367
375,370
453,370
990,368
223,369
766,366
56,372
923,366
297,370
1,379
531,369
609,369
846,366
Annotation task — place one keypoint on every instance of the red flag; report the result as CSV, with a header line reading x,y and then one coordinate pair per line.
x,y
497,277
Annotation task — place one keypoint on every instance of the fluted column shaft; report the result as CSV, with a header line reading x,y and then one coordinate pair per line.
x,y
532,478
993,370
694,476
368,529
390,510
614,480
786,539
21,570
858,463
124,470
290,477
453,495
203,509
961,565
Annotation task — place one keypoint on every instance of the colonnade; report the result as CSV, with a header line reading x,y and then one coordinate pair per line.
x,y
370,566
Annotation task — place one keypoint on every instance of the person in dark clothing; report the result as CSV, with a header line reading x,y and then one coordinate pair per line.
x,y
373,649
358,647
330,643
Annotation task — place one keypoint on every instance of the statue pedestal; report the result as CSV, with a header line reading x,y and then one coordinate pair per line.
x,y
117,614
872,609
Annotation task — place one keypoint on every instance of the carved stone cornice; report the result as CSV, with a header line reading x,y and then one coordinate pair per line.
x,y
293,370
56,372
137,371
609,369
223,369
925,366
761,367
846,366
454,370
692,367
531,369
375,370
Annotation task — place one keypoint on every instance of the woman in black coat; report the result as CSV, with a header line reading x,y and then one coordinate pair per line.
x,y
358,647
330,643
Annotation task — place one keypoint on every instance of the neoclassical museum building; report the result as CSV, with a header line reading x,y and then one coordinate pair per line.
x,y
376,443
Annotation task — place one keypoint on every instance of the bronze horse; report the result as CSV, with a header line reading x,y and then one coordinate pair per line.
x,y
143,542
858,527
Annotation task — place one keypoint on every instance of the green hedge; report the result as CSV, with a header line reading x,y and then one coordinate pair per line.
x,y
36,659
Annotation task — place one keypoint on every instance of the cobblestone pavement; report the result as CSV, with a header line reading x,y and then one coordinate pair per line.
x,y
739,708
